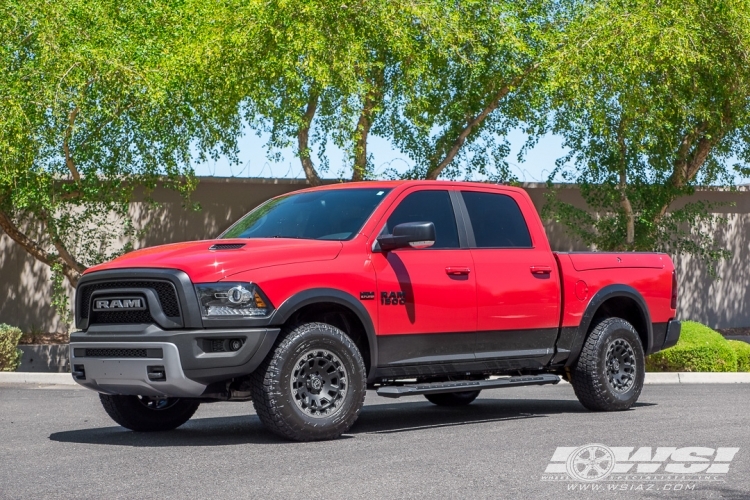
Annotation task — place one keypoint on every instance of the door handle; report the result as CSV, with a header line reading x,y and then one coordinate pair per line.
x,y
541,270
457,271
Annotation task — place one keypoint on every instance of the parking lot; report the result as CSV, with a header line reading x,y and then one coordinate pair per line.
x,y
57,442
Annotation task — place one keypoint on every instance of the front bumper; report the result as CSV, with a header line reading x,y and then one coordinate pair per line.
x,y
129,359
125,375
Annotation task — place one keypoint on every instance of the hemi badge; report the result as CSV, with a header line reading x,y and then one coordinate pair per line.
x,y
366,295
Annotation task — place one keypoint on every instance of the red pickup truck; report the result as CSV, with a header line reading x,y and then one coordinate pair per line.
x,y
435,288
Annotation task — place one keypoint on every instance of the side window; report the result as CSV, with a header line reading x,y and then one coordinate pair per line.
x,y
428,206
497,221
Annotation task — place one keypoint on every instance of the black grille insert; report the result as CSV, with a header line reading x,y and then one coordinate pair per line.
x,y
164,290
115,317
217,345
119,353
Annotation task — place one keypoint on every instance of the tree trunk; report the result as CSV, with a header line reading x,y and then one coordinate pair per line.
x,y
630,216
303,139
473,123
623,186
371,100
35,250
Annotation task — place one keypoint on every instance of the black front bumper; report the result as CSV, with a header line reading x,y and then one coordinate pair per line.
x,y
197,361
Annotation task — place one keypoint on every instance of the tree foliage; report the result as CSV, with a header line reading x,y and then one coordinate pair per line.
x,y
99,99
444,82
653,100
484,61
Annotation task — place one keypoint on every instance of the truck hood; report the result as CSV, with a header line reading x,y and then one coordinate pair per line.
x,y
204,265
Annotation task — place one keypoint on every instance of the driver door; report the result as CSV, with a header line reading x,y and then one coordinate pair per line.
x,y
427,308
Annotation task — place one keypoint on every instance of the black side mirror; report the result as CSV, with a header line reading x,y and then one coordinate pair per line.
x,y
408,234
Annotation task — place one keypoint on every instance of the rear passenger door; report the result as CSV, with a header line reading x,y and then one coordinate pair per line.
x,y
518,289
427,297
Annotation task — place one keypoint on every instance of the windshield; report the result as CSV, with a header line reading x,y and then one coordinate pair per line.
x,y
318,215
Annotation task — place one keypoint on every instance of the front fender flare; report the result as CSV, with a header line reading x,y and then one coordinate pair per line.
x,y
329,295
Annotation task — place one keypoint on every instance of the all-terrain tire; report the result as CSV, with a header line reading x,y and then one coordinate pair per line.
x,y
311,357
610,371
453,398
145,415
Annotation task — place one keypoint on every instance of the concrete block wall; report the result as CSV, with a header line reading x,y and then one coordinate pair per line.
x,y
720,303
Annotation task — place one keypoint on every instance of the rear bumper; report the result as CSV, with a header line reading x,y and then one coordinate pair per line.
x,y
673,334
128,360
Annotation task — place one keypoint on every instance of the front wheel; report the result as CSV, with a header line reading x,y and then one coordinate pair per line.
x,y
147,414
312,385
610,371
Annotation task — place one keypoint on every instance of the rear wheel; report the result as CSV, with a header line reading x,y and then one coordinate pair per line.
x,y
610,371
452,398
312,385
148,414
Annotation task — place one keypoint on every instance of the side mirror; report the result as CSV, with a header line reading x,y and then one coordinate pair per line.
x,y
409,234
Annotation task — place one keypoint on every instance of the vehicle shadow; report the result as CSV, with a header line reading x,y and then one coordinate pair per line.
x,y
388,418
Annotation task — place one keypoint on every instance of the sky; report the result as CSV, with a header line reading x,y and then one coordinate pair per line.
x,y
536,166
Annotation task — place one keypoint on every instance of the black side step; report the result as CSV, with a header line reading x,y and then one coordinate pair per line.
x,y
397,391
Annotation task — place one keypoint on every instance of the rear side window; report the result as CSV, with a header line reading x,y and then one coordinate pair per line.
x,y
497,221
428,206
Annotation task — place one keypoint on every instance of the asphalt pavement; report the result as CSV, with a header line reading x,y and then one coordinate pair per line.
x,y
57,442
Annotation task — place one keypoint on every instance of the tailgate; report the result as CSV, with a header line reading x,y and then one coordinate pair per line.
x,y
587,261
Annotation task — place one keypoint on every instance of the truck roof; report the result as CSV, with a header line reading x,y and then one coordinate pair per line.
x,y
401,183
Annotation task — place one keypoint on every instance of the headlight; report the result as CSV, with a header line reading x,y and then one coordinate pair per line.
x,y
232,299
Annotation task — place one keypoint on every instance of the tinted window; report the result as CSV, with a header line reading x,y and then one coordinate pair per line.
x,y
497,221
336,214
428,206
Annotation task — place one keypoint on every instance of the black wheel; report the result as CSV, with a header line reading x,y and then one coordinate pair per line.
x,y
312,385
147,414
610,371
453,398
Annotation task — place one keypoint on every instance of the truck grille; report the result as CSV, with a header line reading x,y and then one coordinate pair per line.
x,y
115,317
164,290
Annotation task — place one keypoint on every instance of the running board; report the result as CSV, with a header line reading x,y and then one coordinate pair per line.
x,y
397,391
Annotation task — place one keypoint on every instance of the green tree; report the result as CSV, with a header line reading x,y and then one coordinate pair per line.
x,y
100,101
653,100
478,78
310,73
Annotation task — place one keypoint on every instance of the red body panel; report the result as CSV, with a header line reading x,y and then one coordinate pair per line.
x,y
438,285
207,266
653,283
504,289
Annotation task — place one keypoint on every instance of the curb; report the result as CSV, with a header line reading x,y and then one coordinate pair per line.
x,y
36,378
704,378
651,378
692,378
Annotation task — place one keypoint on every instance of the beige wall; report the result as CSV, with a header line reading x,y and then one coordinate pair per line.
x,y
25,286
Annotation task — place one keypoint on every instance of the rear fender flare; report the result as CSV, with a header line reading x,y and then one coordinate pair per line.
x,y
606,293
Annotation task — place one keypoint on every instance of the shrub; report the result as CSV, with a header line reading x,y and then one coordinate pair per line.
x,y
742,350
700,349
10,355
